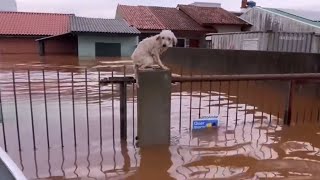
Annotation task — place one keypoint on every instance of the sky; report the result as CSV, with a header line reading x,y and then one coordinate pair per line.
x,y
107,8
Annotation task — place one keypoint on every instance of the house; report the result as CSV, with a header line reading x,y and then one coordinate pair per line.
x,y
190,23
19,31
96,37
50,33
278,20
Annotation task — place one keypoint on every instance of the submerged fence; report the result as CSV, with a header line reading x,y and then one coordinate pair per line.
x,y
73,107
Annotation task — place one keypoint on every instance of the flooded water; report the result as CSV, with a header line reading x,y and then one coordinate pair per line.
x,y
79,136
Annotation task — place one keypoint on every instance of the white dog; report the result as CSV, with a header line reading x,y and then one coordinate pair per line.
x,y
148,51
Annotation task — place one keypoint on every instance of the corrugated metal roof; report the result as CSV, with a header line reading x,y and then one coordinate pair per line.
x,y
310,15
292,16
98,25
34,24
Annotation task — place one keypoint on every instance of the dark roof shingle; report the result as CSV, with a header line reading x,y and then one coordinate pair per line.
x,y
158,18
34,24
211,15
98,25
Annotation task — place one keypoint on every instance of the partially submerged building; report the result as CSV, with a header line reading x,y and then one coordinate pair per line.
x,y
190,23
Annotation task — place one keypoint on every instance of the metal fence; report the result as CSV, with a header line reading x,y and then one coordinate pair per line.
x,y
75,110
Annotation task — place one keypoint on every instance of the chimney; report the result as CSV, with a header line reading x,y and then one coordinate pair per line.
x,y
244,4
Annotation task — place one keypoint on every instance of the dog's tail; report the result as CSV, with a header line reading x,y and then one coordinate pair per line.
x,y
135,69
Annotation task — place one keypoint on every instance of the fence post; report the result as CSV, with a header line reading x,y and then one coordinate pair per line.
x,y
123,111
288,110
154,107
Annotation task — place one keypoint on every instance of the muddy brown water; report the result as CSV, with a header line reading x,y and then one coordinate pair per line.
x,y
250,143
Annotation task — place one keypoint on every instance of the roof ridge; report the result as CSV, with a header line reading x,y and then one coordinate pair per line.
x,y
148,8
24,12
98,18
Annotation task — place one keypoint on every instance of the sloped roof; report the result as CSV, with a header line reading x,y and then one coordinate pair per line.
x,y
173,19
158,18
140,17
98,25
211,15
34,24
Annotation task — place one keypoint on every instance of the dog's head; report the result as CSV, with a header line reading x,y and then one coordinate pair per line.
x,y
167,39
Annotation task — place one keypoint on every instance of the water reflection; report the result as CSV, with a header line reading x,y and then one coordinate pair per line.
x,y
250,143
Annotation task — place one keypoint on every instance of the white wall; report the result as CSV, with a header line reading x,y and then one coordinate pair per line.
x,y
86,44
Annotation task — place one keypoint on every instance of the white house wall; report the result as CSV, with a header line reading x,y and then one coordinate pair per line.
x,y
264,20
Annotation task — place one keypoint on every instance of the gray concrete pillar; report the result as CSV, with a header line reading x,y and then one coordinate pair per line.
x,y
154,107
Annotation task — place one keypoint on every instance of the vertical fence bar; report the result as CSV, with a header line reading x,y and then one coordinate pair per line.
x,y
46,107
133,113
73,111
87,106
123,108
112,106
31,111
246,103
3,128
60,113
254,109
16,107
210,96
262,106
180,105
219,97
190,113
100,116
123,111
288,110
237,103
200,99
270,115
228,103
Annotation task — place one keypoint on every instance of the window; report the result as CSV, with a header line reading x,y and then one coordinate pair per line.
x,y
181,43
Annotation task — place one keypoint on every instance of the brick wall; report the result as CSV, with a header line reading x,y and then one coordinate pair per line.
x,y
61,46
29,45
12,45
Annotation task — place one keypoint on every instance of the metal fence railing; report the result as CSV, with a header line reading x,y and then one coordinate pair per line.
x,y
76,109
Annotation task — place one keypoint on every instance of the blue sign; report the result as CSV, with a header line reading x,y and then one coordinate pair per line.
x,y
205,122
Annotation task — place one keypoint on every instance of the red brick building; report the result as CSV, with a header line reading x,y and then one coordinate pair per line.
x,y
190,23
20,30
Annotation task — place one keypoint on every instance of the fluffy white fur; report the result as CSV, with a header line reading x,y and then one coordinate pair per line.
x,y
147,54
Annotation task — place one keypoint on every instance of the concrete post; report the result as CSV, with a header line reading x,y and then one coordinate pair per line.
x,y
154,107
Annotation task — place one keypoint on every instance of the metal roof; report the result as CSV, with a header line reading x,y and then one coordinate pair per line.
x,y
310,15
296,15
98,25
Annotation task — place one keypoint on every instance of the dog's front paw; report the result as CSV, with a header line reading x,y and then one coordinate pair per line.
x,y
165,68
